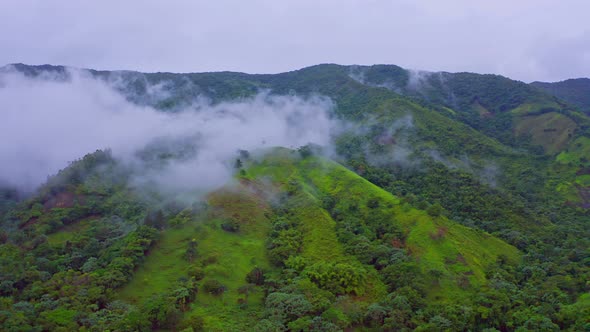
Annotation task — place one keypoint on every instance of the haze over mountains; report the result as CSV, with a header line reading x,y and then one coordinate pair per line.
x,y
82,95
575,91
68,113
323,199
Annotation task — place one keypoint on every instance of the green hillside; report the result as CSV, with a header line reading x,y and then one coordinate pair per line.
x,y
574,91
446,202
437,243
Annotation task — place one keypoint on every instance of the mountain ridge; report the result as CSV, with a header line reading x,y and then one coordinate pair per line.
x,y
444,202
52,66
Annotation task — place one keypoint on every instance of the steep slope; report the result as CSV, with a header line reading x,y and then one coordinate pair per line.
x,y
497,106
440,177
434,241
302,229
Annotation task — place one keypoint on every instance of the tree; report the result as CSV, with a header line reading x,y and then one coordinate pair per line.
x,y
305,151
213,286
375,315
193,323
161,311
435,210
159,220
287,307
238,164
436,274
182,296
191,251
256,276
338,278
230,225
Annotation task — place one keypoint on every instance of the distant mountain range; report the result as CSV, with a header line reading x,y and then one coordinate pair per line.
x,y
574,91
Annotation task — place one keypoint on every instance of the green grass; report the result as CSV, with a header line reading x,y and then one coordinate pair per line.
x,y
575,157
227,257
568,191
320,242
551,130
577,150
68,232
583,180
461,251
579,310
163,266
224,256
482,111
452,137
232,256
528,108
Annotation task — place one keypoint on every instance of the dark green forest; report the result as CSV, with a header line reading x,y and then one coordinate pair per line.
x,y
453,202
574,91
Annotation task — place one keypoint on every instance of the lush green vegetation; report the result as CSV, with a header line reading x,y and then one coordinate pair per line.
x,y
574,91
454,202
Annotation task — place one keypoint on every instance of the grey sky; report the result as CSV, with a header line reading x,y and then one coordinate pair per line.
x,y
525,39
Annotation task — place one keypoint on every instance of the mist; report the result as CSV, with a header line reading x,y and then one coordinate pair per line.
x,y
49,121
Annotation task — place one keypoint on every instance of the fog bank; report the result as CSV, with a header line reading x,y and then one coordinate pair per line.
x,y
49,121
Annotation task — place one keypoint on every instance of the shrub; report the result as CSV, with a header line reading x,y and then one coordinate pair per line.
x,y
214,287
287,307
196,272
338,278
256,276
434,210
230,225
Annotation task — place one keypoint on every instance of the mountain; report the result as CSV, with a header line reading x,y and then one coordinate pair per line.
x,y
574,91
444,202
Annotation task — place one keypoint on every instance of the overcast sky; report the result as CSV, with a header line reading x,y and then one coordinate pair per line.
x,y
529,40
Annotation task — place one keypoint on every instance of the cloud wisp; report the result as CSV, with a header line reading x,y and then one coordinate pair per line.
x,y
49,121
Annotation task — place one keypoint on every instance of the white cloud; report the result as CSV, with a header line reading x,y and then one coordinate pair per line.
x,y
47,122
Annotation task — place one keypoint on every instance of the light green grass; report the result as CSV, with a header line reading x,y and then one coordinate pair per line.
x,y
224,256
476,250
228,257
482,111
528,108
320,243
568,191
583,180
163,266
68,232
235,255
576,150
551,130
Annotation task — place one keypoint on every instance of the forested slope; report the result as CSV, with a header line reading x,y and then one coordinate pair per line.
x,y
445,202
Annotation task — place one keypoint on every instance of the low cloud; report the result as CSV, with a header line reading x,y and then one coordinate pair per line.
x,y
49,121
393,140
380,142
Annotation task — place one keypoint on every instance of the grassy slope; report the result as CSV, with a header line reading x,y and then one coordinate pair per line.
x,y
579,149
477,249
69,232
436,130
320,242
163,266
461,251
550,130
572,164
226,257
